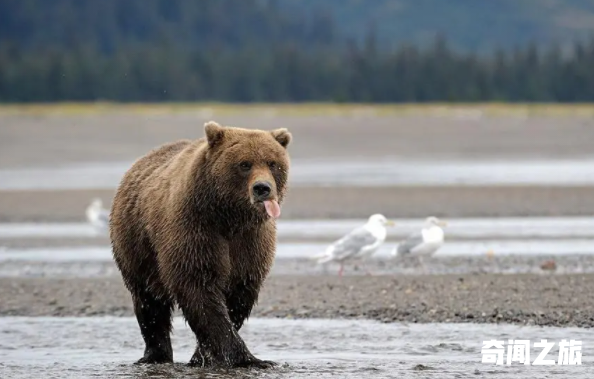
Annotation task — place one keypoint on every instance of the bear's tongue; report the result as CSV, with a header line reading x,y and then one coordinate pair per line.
x,y
272,208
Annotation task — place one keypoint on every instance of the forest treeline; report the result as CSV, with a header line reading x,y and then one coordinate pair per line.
x,y
289,74
155,50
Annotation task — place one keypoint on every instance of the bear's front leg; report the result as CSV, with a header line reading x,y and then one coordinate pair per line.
x,y
196,270
219,344
240,301
251,254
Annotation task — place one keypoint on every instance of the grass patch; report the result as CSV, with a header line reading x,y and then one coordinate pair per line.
x,y
474,110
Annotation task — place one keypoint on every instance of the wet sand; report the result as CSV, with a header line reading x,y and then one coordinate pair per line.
x,y
344,202
47,140
526,299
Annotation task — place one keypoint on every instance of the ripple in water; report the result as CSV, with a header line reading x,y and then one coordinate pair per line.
x,y
106,347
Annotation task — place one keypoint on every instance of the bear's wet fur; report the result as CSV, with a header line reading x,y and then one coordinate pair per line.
x,y
193,225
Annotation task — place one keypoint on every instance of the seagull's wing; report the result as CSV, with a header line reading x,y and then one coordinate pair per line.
x,y
351,244
412,241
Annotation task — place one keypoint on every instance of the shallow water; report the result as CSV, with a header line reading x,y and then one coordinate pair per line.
x,y
399,172
513,227
307,250
106,347
48,230
388,172
504,227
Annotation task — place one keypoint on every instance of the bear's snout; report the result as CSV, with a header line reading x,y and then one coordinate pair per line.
x,y
261,190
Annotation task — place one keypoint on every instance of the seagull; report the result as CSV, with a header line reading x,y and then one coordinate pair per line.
x,y
423,243
97,215
360,243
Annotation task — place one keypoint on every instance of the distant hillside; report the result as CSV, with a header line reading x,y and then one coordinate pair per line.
x,y
477,25
107,25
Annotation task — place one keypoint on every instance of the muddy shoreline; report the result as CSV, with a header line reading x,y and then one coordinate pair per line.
x,y
444,295
525,299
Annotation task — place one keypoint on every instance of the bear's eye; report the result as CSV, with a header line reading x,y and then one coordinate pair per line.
x,y
272,165
246,166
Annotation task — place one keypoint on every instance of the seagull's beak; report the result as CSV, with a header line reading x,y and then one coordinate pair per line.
x,y
390,223
442,223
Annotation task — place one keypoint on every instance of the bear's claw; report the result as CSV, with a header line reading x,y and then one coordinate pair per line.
x,y
154,358
258,363
250,363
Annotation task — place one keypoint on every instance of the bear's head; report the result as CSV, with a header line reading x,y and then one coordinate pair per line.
x,y
250,167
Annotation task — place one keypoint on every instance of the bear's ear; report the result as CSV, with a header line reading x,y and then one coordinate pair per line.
x,y
214,133
283,136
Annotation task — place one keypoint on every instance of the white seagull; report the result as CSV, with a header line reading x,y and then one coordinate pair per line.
x,y
97,215
360,243
423,243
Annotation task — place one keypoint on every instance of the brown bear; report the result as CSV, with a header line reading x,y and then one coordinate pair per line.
x,y
193,224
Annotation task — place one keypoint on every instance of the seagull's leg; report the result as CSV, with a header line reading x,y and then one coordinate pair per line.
x,y
340,269
367,270
422,264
